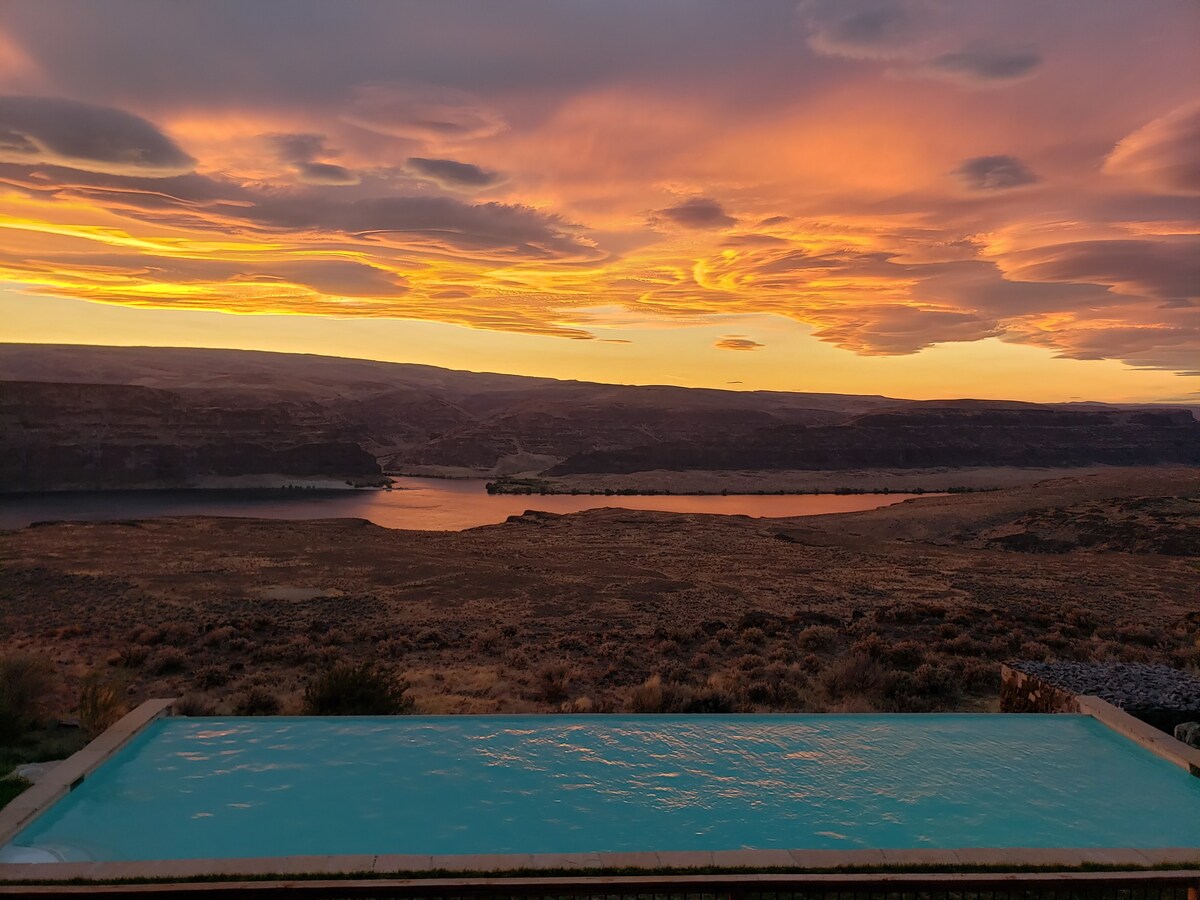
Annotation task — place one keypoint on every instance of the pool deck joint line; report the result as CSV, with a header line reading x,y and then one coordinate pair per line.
x,y
62,779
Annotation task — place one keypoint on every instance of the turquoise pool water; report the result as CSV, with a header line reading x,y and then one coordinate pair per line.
x,y
245,787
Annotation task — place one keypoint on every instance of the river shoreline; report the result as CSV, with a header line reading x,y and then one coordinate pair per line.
x,y
413,504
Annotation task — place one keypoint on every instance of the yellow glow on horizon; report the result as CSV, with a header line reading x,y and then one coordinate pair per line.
x,y
683,355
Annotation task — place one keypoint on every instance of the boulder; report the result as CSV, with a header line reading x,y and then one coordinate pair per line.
x,y
1189,733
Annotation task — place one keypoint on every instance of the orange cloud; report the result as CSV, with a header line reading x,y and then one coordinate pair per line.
x,y
736,342
832,165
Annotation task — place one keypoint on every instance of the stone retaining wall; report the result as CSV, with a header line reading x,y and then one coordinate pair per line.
x,y
1158,695
1024,693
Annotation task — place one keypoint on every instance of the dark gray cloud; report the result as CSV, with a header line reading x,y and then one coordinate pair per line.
x,y
85,136
1167,269
451,173
699,212
438,224
333,277
298,147
924,37
435,221
422,112
876,26
985,64
300,152
325,173
895,329
994,173
865,29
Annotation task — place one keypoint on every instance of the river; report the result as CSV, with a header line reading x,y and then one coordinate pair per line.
x,y
417,503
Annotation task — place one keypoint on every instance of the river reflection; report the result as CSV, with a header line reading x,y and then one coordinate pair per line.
x,y
430,504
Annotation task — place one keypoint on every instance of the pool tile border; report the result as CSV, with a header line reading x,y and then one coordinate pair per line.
x,y
69,774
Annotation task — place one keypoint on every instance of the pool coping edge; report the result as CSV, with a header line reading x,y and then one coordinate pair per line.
x,y
71,772
1144,735
61,780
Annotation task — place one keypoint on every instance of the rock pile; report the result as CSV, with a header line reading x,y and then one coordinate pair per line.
x,y
1131,686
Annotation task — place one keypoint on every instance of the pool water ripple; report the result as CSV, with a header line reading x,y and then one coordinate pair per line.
x,y
198,788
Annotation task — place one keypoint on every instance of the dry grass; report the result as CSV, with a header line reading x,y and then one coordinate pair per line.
x,y
896,609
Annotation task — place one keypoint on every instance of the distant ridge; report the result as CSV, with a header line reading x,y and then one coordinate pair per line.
x,y
186,412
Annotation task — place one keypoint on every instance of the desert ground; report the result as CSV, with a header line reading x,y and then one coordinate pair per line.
x,y
909,607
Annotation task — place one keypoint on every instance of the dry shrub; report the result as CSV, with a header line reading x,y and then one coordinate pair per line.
x,y
553,682
516,658
101,701
977,676
855,676
144,634
166,661
212,676
133,655
486,641
907,655
365,689
194,705
775,693
1140,635
256,701
648,696
657,696
928,689
816,637
177,634
431,637
582,705
25,680
218,636
754,635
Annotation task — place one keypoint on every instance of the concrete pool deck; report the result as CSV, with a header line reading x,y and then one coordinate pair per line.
x,y
70,774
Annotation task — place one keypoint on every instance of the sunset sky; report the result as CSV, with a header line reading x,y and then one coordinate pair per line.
x,y
923,198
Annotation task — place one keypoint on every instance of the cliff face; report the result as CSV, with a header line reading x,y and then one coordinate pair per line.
x,y
63,399
933,437
104,436
92,417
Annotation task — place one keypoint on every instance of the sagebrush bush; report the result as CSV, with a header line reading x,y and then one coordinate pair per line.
x,y
816,637
365,689
194,705
256,701
553,683
855,676
657,696
166,661
928,689
25,681
133,655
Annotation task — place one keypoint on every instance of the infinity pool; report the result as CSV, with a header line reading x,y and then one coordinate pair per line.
x,y
190,788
